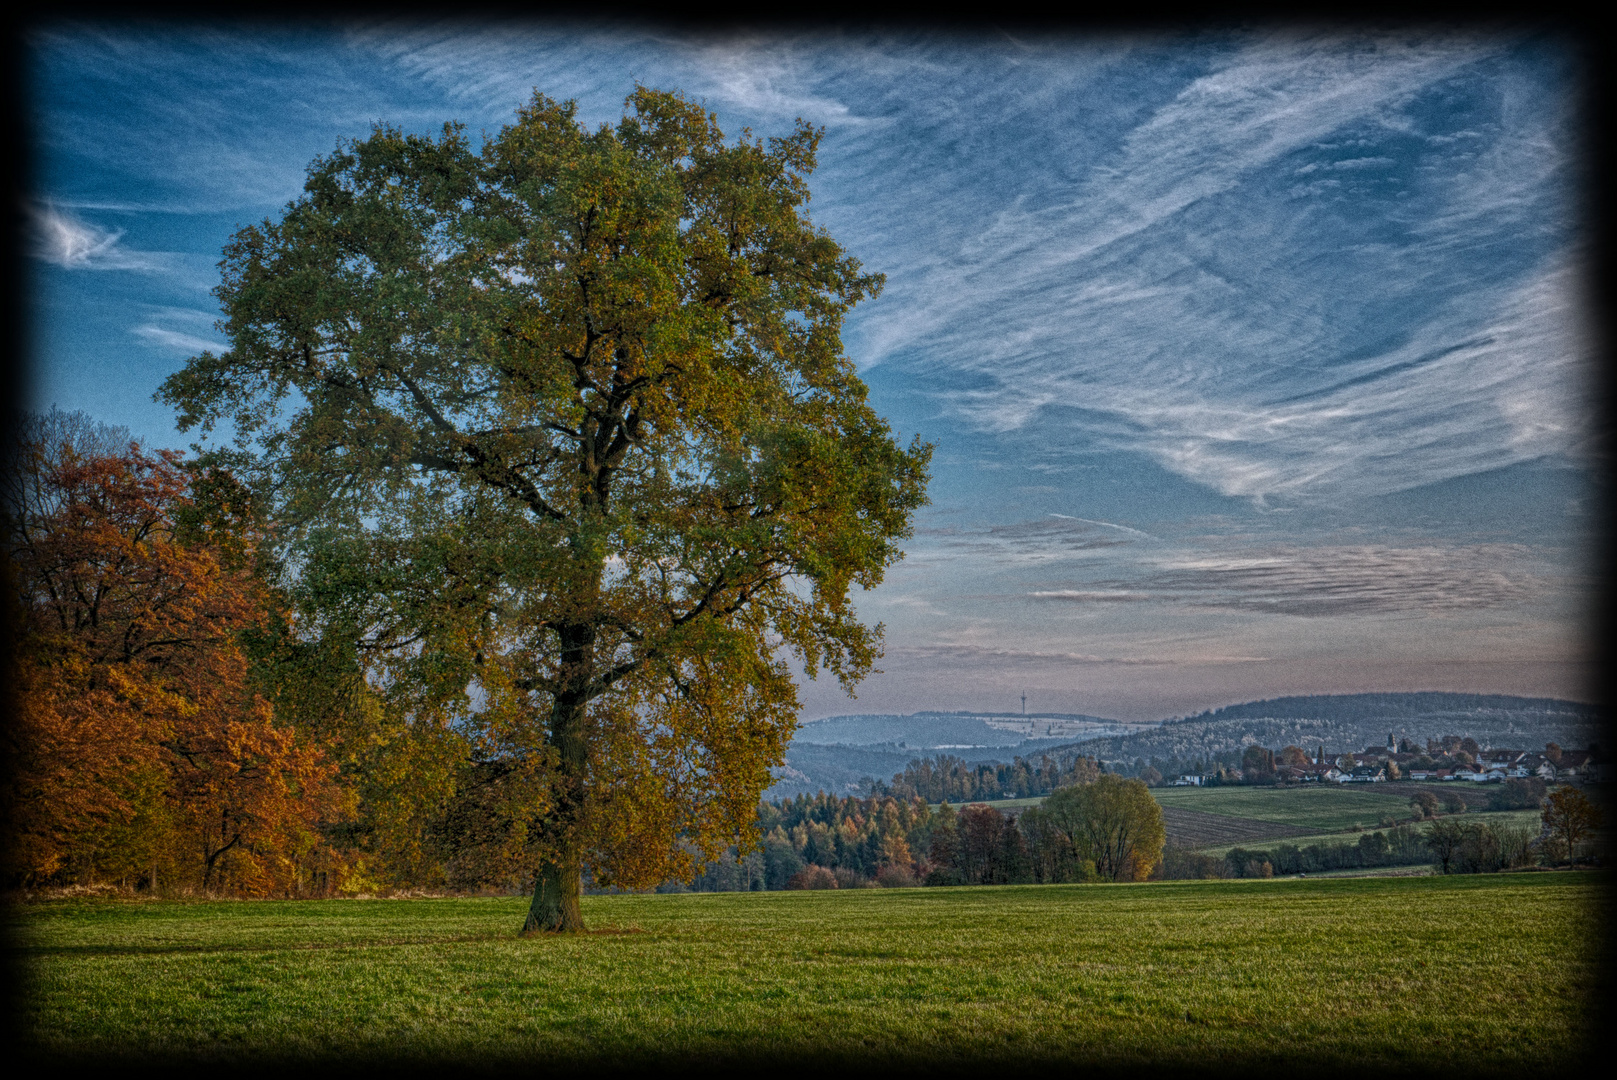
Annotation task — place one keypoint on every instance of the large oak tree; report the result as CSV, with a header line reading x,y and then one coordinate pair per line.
x,y
559,432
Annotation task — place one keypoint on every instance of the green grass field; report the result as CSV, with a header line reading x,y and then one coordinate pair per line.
x,y
1328,808
1517,818
1411,973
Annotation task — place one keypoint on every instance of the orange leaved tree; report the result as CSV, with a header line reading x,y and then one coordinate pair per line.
x,y
139,744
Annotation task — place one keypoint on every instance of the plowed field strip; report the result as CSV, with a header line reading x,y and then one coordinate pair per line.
x,y
1475,796
1194,828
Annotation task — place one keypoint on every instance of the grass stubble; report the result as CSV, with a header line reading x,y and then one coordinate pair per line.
x,y
1489,973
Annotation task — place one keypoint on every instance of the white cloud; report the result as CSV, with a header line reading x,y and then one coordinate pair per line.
x,y
1332,580
70,242
770,77
961,657
188,344
1498,378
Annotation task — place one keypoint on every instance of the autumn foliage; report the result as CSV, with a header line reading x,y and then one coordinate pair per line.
x,y
139,750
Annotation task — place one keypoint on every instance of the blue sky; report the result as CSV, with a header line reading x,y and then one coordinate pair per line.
x,y
1255,362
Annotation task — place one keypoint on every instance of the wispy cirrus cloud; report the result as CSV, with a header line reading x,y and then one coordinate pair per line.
x,y
1288,281
1055,536
208,118
188,344
979,656
773,78
186,331
1331,580
769,78
1498,378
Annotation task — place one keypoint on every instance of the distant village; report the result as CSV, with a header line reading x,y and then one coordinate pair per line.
x,y
1449,758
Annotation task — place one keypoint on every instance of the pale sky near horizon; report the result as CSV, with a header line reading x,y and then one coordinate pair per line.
x,y
1255,362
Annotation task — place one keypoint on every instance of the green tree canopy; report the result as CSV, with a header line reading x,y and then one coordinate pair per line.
x,y
1111,821
560,435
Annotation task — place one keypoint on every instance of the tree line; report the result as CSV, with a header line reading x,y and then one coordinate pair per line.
x,y
1100,827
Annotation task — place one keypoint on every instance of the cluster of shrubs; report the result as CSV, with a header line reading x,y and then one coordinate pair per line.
x,y
1476,847
1402,846
1518,794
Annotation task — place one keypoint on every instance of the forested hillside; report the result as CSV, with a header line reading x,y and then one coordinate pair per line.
x,y
1355,708
840,770
954,731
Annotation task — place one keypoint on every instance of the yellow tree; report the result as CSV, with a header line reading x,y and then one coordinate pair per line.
x,y
559,433
1112,821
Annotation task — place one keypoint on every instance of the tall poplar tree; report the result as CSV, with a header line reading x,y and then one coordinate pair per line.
x,y
559,433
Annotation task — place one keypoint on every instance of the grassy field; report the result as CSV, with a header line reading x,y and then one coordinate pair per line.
x,y
1518,818
1323,808
1214,819
1409,973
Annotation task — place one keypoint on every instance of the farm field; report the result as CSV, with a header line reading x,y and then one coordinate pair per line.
x,y
1197,829
1318,808
1518,818
1215,819
1410,973
1212,820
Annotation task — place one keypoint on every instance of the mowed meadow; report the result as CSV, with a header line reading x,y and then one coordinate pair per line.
x,y
1405,973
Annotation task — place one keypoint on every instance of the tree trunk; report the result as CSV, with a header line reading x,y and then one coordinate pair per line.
x,y
556,892
559,882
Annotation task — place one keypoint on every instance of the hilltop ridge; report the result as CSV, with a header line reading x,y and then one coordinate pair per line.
x,y
834,754
1350,722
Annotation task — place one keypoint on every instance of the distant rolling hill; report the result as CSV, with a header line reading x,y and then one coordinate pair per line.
x,y
836,753
958,731
1345,722
838,770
